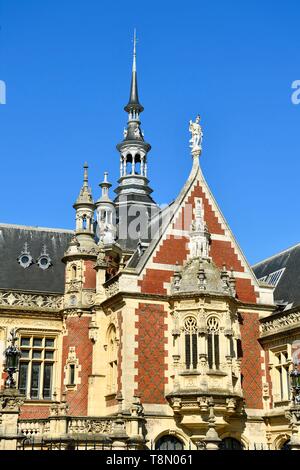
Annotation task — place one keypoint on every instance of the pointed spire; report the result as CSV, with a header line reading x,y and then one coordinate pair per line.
x,y
85,176
133,103
85,195
105,185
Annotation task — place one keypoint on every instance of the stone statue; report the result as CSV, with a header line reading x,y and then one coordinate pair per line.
x,y
197,134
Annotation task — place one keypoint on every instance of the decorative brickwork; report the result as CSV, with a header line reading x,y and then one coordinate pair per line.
x,y
34,412
251,360
222,252
89,275
173,249
245,291
153,281
78,337
151,353
185,216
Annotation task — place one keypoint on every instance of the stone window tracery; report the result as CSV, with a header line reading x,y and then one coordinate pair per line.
x,y
213,352
191,346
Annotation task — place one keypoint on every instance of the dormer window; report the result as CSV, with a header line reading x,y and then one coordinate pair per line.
x,y
25,259
44,260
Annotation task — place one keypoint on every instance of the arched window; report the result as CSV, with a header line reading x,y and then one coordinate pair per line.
x,y
213,343
286,445
169,443
112,354
229,443
84,222
128,164
74,272
191,355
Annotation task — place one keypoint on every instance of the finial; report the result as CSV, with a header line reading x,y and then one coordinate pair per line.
x,y
105,176
85,175
134,51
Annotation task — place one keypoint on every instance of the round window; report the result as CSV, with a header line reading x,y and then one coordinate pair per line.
x,y
44,262
25,260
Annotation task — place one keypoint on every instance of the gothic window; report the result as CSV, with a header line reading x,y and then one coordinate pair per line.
x,y
191,355
35,378
169,443
213,343
84,222
112,354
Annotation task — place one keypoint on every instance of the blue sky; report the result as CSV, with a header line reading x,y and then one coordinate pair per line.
x,y
66,65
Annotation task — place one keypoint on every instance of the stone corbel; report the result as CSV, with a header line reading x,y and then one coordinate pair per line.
x,y
93,331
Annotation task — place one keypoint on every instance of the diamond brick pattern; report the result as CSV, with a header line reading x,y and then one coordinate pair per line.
x,y
78,336
151,353
251,360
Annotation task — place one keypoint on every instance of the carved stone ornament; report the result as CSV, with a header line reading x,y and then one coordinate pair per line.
x,y
282,322
197,134
19,299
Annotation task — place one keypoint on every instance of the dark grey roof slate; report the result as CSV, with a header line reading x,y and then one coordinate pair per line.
x,y
288,287
33,278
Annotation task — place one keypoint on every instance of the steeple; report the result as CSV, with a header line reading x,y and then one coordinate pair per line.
x,y
85,207
133,186
134,106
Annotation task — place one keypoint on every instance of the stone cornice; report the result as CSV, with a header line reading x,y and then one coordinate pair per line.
x,y
16,300
280,322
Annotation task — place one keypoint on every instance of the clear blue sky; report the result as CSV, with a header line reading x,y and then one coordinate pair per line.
x,y
66,64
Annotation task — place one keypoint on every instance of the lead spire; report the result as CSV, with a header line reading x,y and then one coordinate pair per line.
x,y
134,107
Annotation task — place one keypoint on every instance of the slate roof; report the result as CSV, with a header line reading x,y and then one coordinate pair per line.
x,y
288,287
33,278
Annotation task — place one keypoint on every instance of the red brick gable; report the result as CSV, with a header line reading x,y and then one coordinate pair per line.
x,y
174,248
184,218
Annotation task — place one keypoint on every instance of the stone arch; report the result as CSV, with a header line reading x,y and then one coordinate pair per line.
x,y
170,433
280,440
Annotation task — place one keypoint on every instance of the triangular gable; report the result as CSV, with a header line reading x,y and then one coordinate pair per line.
x,y
156,266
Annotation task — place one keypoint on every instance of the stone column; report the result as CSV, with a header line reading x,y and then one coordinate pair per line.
x,y
10,403
58,418
212,439
136,438
119,436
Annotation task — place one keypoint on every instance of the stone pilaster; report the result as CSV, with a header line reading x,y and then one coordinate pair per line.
x,y
10,403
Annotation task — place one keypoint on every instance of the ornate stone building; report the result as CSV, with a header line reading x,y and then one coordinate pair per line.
x,y
144,327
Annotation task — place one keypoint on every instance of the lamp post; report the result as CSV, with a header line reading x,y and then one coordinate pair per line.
x,y
10,398
12,355
295,383
293,413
